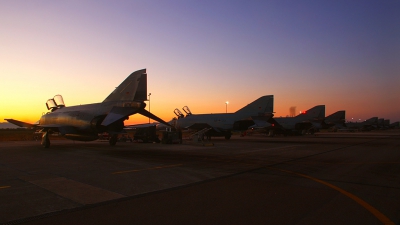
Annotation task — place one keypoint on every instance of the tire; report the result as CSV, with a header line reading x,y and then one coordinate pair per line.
x,y
47,143
45,140
113,140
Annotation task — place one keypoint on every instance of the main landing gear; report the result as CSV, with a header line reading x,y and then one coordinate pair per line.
x,y
113,140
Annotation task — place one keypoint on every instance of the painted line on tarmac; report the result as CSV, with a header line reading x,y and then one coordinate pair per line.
x,y
266,149
4,187
152,168
257,150
76,191
341,163
363,203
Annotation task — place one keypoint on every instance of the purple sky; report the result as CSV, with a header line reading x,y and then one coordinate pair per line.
x,y
344,54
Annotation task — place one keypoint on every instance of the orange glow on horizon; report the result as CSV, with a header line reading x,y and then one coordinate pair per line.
x,y
165,112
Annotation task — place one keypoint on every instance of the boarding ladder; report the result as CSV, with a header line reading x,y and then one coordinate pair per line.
x,y
199,135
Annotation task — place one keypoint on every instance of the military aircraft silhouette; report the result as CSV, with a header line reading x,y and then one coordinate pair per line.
x,y
369,124
299,124
222,124
333,122
85,122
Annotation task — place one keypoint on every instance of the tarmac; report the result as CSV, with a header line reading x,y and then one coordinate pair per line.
x,y
327,178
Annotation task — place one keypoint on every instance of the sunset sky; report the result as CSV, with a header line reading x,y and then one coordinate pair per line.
x,y
343,54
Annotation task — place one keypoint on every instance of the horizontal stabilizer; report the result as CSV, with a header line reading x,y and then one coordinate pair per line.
x,y
20,123
153,117
118,113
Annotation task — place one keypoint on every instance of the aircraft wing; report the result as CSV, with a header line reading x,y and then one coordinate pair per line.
x,y
20,123
244,124
118,113
153,117
55,127
260,123
264,121
143,125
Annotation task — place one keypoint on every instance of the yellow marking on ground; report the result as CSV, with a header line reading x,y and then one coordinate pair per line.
x,y
4,187
152,168
76,191
342,163
363,203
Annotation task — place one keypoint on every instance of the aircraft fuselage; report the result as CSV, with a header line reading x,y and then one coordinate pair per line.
x,y
83,122
220,120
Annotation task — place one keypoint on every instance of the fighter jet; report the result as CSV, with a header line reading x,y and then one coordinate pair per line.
x,y
300,124
367,125
381,123
85,122
334,121
222,124
395,125
386,124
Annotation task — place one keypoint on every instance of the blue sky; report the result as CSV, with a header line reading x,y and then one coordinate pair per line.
x,y
344,54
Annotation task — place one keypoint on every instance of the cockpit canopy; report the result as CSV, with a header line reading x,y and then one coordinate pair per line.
x,y
55,103
51,104
59,101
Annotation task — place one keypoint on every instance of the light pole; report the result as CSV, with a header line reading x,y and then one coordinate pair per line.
x,y
226,107
149,105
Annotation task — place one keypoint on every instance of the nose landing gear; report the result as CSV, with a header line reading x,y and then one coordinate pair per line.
x,y
45,140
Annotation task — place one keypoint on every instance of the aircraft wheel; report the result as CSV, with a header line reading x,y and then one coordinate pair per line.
x,y
47,143
113,140
45,140
228,136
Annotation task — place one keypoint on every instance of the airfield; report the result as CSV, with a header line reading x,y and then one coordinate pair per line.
x,y
326,178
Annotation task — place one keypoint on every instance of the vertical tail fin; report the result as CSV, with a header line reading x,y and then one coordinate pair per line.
x,y
315,113
259,107
133,88
337,117
373,120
